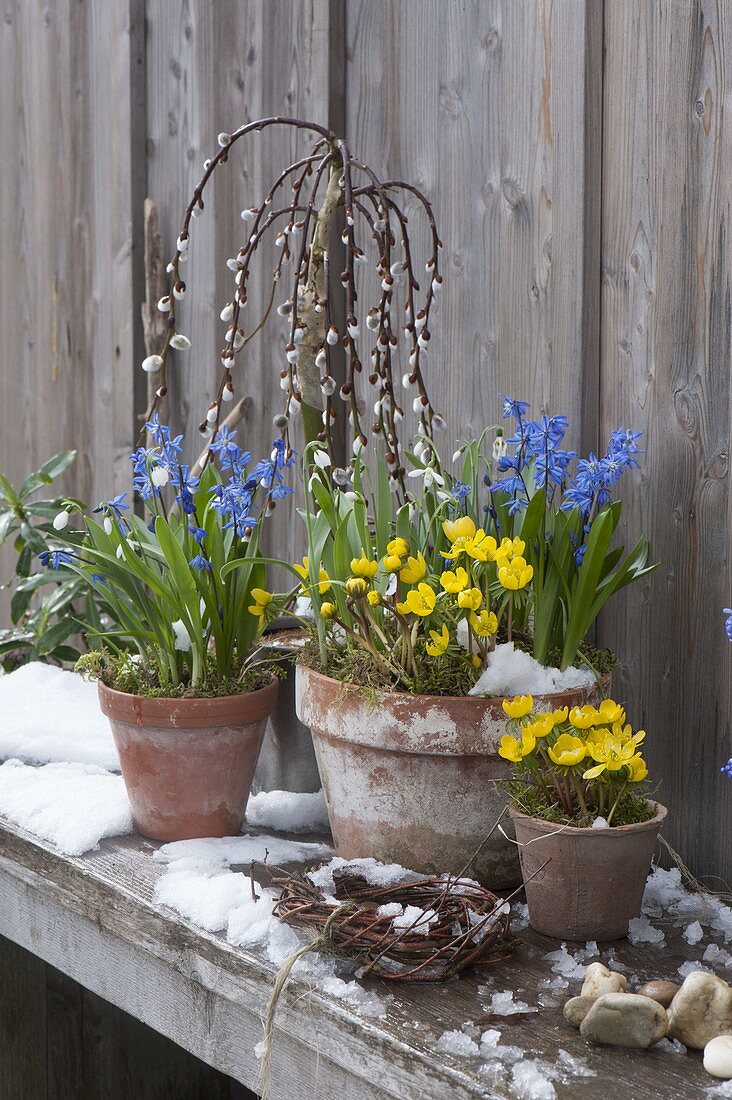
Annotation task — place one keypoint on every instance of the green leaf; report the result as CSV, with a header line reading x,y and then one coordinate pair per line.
x,y
46,473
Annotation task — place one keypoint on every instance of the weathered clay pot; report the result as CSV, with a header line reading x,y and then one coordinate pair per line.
x,y
593,884
188,764
415,779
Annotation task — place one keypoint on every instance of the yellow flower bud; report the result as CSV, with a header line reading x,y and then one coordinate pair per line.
x,y
327,611
357,587
374,597
363,566
399,547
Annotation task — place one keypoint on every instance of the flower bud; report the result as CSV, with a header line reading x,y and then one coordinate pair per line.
x,y
164,304
227,312
180,342
61,520
152,363
357,587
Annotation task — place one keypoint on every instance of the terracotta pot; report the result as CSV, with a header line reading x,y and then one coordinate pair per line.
x,y
594,882
415,779
188,764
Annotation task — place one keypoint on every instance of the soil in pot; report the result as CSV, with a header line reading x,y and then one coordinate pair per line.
x,y
594,881
415,780
187,763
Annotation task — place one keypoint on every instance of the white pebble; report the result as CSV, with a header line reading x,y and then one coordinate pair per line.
x,y
718,1057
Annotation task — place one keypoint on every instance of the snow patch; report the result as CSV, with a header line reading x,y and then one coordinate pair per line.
x,y
415,921
287,812
513,672
53,716
72,805
375,873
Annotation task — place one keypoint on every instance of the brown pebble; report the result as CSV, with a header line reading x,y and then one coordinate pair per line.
x,y
576,1009
663,992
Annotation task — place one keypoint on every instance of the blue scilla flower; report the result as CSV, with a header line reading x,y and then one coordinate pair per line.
x,y
98,578
516,409
727,769
170,448
54,559
230,455
546,433
185,486
460,490
728,622
199,533
200,563
117,505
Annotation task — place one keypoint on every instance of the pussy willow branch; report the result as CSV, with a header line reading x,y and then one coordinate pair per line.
x,y
307,377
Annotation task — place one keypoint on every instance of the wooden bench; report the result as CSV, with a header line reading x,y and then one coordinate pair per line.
x,y
94,918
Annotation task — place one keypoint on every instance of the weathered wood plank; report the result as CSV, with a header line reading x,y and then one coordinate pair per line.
x,y
666,370
95,918
22,1024
491,108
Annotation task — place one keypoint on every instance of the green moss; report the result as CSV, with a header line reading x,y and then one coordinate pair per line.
x,y
534,801
122,674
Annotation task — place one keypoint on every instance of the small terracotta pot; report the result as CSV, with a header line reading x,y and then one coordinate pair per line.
x,y
415,779
188,764
594,881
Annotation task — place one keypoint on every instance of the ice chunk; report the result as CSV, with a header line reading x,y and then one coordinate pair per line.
x,y
671,1046
503,1004
568,1065
53,716
72,805
717,955
691,967
520,917
693,933
530,1082
640,930
568,965
287,811
458,1044
600,823
511,671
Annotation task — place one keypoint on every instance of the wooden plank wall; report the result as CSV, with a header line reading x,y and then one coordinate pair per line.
x,y
575,151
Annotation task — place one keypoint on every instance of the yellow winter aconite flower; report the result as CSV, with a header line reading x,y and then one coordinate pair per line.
x,y
542,725
398,547
483,624
583,718
304,572
392,563
482,547
419,601
637,770
262,600
519,706
327,611
515,574
609,711
454,582
567,750
509,549
511,748
414,570
560,715
363,566
471,599
439,643
611,752
357,587
374,598
462,528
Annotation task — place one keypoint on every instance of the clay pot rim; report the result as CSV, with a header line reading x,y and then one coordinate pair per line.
x,y
445,699
600,834
183,712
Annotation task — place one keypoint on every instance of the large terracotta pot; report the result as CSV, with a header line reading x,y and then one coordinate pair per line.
x,y
415,779
593,883
188,764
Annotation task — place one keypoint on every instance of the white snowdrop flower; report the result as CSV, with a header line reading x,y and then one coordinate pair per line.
x,y
107,524
406,380
458,454
443,496
227,312
180,342
248,215
419,449
353,330
152,363
357,446
232,264
292,355
332,335
224,139
179,292
212,415
120,552
350,495
182,243
61,520
499,447
298,335
164,304
431,477
160,476
227,394
321,458
321,359
182,637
